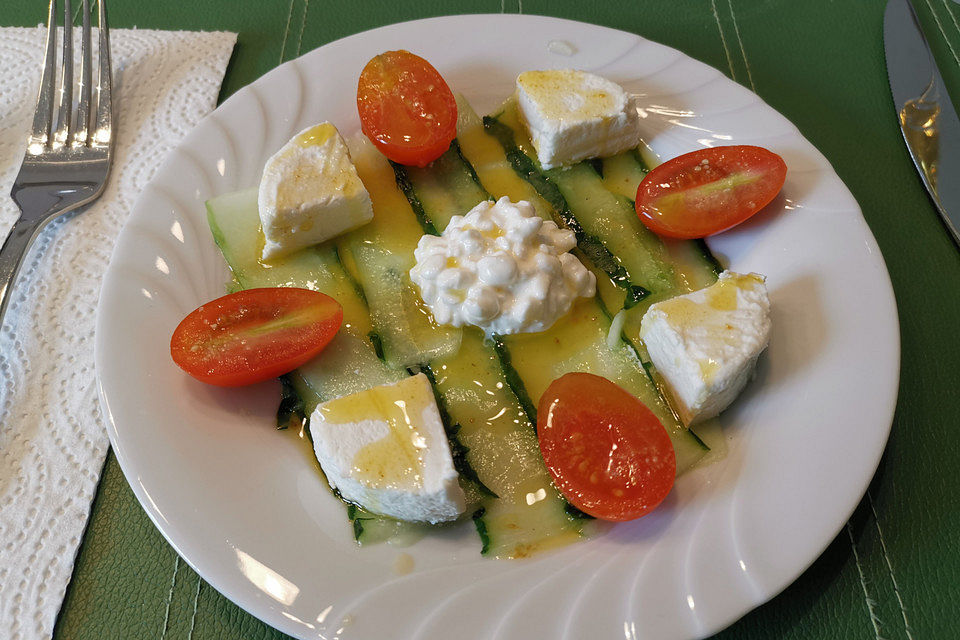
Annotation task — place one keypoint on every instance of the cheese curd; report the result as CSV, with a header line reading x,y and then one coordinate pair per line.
x,y
705,344
502,268
573,115
385,449
310,192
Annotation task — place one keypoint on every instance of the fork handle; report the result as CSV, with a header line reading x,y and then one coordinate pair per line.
x,y
11,257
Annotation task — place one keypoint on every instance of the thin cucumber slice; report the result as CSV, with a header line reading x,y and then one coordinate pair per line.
x,y
577,342
694,266
599,201
623,173
235,223
601,214
349,363
498,175
589,245
446,184
502,176
381,256
521,512
406,329
527,514
370,528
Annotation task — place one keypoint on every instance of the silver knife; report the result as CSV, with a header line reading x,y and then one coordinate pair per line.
x,y
927,118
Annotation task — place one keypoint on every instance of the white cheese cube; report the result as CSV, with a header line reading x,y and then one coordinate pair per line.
x,y
705,344
310,192
385,449
573,115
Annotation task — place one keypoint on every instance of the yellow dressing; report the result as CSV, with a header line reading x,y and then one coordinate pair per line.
x,y
394,227
723,295
261,243
526,495
309,179
688,266
315,136
720,296
551,86
396,460
393,462
492,234
708,369
423,309
682,311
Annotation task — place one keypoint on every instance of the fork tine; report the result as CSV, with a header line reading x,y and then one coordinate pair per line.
x,y
104,131
43,116
65,112
86,63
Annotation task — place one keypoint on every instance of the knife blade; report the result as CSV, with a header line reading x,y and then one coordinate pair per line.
x,y
926,116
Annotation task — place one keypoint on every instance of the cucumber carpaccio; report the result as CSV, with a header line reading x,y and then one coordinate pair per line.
x,y
487,387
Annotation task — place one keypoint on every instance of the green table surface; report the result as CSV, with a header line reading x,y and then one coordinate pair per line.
x,y
892,572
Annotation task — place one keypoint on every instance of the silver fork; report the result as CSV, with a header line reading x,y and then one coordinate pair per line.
x,y
65,166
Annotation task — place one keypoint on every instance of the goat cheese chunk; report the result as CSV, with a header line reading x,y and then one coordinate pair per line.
x,y
385,449
310,192
573,115
501,268
705,344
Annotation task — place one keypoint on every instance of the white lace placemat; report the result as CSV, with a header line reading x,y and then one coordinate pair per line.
x,y
52,439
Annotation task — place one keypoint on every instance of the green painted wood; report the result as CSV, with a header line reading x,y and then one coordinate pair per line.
x,y
891,573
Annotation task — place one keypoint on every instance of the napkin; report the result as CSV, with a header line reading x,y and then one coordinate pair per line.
x,y
52,436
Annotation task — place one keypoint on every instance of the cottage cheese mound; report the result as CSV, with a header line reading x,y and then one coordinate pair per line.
x,y
501,268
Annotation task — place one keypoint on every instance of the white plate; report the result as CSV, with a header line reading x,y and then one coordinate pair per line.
x,y
242,504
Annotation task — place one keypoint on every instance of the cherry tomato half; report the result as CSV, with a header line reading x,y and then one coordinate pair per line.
x,y
608,454
708,191
254,335
406,108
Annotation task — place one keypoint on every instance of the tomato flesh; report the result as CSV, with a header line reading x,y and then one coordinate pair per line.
x,y
254,335
406,108
710,190
606,451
